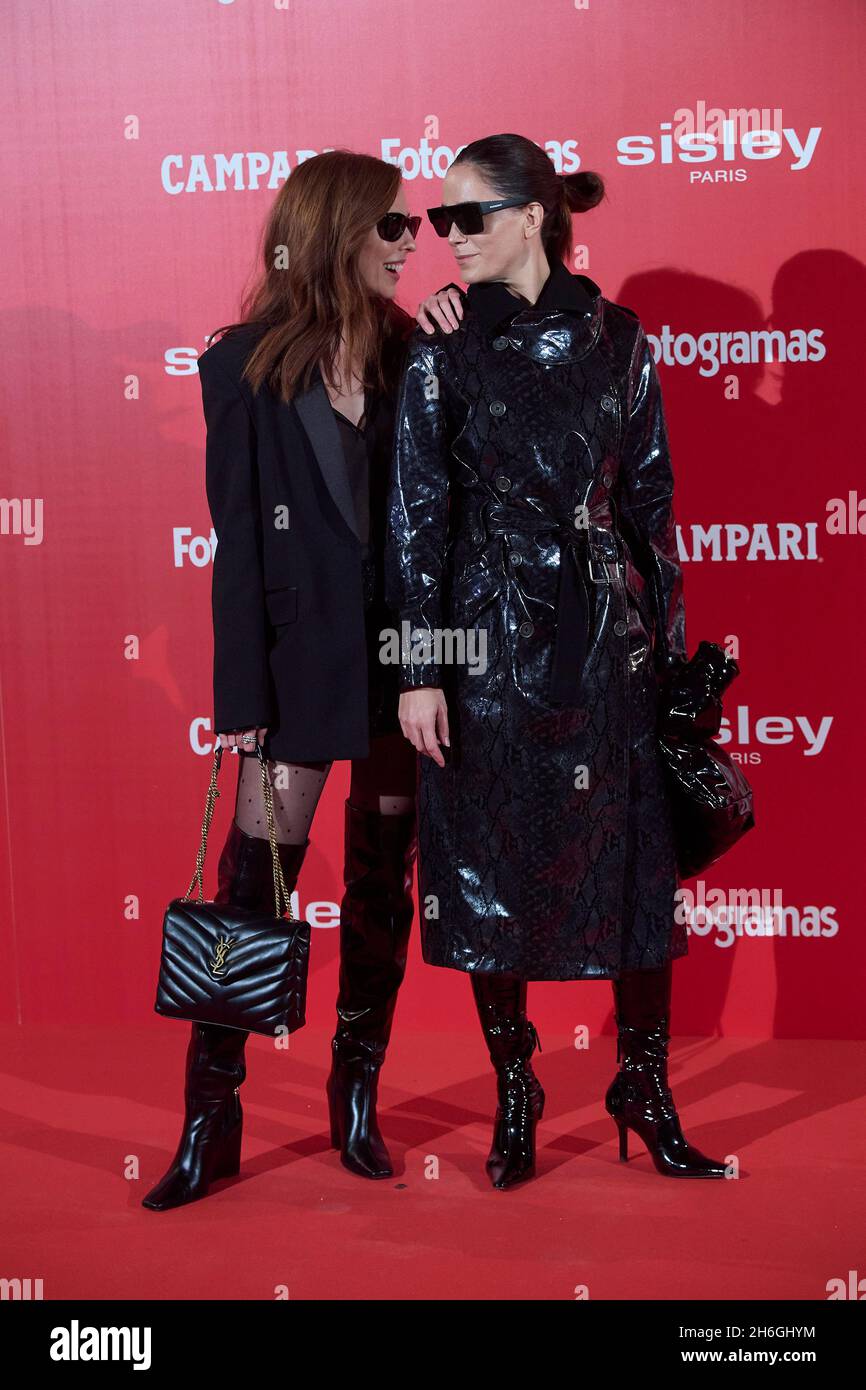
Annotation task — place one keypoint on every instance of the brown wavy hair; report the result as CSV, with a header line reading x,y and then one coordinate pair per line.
x,y
518,168
310,292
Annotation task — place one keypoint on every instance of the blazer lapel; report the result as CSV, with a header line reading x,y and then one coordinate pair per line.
x,y
317,417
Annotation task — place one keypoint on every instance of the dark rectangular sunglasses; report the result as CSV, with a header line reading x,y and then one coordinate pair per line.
x,y
468,216
392,226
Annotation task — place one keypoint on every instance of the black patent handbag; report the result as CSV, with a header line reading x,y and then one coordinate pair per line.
x,y
237,967
711,798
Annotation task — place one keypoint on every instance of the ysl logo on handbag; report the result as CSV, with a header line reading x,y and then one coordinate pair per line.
x,y
217,966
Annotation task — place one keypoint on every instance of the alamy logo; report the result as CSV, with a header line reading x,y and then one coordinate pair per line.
x,y
22,1290
22,516
445,645
77,1343
853,1287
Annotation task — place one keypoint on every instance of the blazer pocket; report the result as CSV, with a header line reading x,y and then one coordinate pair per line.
x,y
282,605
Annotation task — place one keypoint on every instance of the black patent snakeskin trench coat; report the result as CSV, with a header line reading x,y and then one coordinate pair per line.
x,y
530,506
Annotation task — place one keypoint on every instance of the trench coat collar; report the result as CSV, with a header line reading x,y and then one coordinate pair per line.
x,y
562,324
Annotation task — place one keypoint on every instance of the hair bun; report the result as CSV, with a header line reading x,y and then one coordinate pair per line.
x,y
584,189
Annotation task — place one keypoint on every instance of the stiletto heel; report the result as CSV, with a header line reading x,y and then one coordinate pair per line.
x,y
639,1097
623,1142
511,1039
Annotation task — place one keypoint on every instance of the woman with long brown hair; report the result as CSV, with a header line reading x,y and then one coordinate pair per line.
x,y
299,402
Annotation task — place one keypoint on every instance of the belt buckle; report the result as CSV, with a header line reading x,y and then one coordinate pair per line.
x,y
602,548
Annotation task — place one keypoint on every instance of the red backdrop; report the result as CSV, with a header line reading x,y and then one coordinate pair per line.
x,y
142,148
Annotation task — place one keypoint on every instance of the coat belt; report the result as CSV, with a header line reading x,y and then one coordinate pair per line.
x,y
580,548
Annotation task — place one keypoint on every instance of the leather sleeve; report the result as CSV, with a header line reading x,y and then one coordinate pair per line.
x,y
646,505
418,501
241,677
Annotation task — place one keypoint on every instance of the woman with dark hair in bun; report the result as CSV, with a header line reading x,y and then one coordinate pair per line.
x,y
533,563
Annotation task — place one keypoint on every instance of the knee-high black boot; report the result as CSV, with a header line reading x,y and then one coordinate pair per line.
x,y
375,922
639,1097
511,1040
210,1142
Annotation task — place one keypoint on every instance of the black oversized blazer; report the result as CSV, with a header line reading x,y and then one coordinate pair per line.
x,y
288,618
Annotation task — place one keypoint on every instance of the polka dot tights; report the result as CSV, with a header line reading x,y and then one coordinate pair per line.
x,y
383,782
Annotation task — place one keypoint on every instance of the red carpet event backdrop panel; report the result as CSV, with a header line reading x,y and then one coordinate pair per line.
x,y
143,146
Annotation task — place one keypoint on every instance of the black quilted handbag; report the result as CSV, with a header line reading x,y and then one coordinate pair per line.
x,y
234,966
711,798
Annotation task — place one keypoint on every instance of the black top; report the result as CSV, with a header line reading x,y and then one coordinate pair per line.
x,y
362,449
356,447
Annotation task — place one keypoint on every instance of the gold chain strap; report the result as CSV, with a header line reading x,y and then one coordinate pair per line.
x,y
210,802
279,881
282,899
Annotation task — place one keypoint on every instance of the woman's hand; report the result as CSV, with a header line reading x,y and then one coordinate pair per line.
x,y
423,716
243,739
444,308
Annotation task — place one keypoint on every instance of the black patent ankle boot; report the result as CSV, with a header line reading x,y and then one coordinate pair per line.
x,y
210,1142
375,922
639,1097
511,1039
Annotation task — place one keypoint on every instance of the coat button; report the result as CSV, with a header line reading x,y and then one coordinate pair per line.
x,y
526,629
502,482
500,343
497,407
515,558
607,479
620,627
477,537
607,402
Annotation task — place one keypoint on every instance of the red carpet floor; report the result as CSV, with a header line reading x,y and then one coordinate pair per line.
x,y
82,1108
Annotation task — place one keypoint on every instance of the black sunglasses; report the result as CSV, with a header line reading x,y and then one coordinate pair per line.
x,y
392,226
468,216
